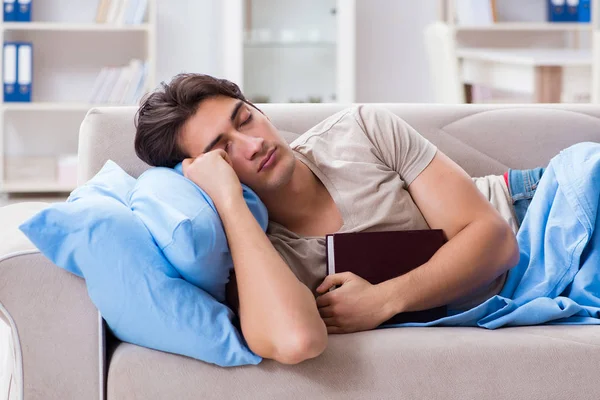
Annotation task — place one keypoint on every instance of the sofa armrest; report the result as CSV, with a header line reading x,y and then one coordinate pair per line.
x,y
53,323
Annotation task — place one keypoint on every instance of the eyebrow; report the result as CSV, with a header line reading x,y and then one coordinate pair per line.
x,y
232,118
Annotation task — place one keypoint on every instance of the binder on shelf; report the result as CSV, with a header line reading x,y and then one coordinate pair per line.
x,y
562,10
18,71
24,10
572,7
584,11
24,71
9,77
10,12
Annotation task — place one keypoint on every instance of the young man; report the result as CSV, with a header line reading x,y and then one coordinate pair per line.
x,y
361,169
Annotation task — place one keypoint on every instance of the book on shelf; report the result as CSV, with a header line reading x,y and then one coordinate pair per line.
x,y
120,85
475,12
121,12
381,256
102,11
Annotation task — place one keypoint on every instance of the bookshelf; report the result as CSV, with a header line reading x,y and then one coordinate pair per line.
x,y
518,27
529,16
73,27
526,26
69,50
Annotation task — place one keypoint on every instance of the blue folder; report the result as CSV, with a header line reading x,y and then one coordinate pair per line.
x,y
23,10
10,13
584,11
562,11
18,71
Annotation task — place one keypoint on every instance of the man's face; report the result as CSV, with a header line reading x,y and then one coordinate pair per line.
x,y
260,157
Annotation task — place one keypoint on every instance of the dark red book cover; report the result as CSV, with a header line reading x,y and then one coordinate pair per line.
x,y
381,256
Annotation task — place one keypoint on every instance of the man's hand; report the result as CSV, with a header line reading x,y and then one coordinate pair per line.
x,y
213,172
355,306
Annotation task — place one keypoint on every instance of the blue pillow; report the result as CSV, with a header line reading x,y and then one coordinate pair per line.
x,y
186,226
110,182
139,293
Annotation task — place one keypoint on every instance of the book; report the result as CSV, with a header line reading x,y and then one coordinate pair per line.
x,y
102,11
381,256
474,12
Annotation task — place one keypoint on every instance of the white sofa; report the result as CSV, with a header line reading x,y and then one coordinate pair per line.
x,y
59,348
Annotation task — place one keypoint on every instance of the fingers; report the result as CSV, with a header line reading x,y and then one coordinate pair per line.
x,y
224,155
334,280
326,312
333,330
324,301
189,161
185,165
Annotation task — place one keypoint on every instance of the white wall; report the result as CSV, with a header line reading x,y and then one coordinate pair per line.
x,y
391,58
187,37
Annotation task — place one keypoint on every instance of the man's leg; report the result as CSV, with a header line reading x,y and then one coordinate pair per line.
x,y
522,184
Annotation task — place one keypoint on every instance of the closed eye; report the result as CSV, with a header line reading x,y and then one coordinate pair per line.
x,y
247,120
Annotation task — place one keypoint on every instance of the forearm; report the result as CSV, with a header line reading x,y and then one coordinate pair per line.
x,y
482,251
276,310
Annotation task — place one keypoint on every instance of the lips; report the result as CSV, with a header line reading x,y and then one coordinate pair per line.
x,y
266,159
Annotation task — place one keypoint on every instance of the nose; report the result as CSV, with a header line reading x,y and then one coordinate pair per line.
x,y
252,146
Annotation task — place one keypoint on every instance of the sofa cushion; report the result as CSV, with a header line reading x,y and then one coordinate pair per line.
x,y
483,139
537,362
12,240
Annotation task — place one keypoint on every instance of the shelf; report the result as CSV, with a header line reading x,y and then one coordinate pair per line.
x,y
35,187
41,106
529,57
527,26
71,27
288,44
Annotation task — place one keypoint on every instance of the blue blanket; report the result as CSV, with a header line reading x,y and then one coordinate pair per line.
x,y
557,280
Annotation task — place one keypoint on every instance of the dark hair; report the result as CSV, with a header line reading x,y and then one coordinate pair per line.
x,y
163,112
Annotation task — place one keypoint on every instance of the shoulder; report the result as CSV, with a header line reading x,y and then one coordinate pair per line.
x,y
342,121
354,118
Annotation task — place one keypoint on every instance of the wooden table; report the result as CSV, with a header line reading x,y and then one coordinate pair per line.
x,y
544,72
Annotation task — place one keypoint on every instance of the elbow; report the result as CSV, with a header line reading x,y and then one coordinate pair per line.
x,y
301,346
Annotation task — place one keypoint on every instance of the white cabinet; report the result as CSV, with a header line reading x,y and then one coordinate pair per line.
x,y
283,51
39,138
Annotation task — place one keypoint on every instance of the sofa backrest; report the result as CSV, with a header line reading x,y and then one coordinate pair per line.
x,y
482,139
